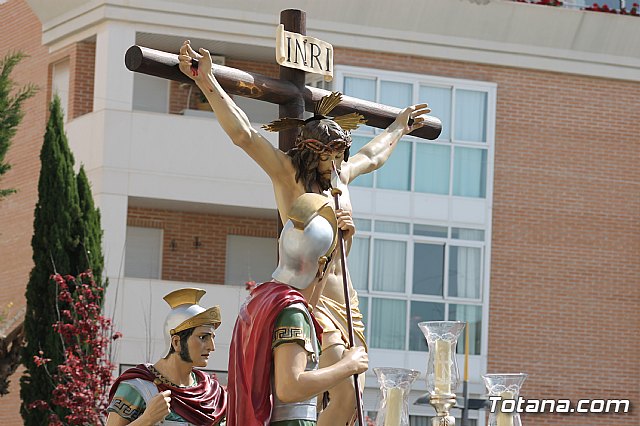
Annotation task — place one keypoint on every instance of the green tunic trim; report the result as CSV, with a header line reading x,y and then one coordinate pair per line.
x,y
292,326
129,404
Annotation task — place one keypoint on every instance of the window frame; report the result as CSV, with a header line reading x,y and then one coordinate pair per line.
x,y
418,80
408,296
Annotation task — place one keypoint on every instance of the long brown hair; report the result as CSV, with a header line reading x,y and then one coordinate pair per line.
x,y
306,161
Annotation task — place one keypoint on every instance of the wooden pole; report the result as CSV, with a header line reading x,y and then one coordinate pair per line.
x,y
465,383
295,21
347,303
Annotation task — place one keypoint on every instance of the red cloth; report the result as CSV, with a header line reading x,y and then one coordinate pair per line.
x,y
204,404
251,357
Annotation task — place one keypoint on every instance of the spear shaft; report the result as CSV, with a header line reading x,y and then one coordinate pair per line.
x,y
347,302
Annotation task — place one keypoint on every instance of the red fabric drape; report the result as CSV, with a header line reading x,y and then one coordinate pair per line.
x,y
251,357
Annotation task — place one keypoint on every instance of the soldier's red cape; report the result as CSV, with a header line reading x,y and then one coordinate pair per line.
x,y
203,404
250,356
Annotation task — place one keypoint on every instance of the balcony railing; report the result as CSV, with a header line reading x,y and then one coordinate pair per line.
x,y
620,7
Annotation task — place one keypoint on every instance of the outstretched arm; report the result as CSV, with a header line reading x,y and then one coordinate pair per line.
x,y
293,384
374,154
232,119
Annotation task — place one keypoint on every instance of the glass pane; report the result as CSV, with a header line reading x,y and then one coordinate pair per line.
x,y
464,272
439,100
389,265
420,421
473,316
422,311
430,230
357,143
428,269
432,168
359,263
471,116
388,323
467,234
363,304
363,225
470,172
396,172
250,259
391,227
143,248
150,93
396,94
363,88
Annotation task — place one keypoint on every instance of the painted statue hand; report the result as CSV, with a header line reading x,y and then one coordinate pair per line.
x,y
158,408
357,359
345,222
411,118
204,62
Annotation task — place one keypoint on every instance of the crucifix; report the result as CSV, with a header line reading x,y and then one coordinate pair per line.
x,y
289,91
337,310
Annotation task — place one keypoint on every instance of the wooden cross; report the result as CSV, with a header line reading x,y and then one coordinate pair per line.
x,y
289,91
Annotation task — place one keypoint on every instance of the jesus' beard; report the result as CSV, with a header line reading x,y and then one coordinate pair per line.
x,y
323,182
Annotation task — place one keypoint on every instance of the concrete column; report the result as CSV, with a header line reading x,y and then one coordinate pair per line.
x,y
113,86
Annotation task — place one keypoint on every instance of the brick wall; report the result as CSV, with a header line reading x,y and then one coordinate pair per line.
x,y
207,263
83,67
20,31
565,269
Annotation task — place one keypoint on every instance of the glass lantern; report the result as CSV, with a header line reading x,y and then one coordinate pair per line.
x,y
393,406
504,387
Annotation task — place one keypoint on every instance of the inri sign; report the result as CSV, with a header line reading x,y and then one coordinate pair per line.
x,y
305,53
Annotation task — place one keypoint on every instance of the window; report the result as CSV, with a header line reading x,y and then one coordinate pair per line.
x,y
143,255
60,84
406,273
455,163
250,259
150,93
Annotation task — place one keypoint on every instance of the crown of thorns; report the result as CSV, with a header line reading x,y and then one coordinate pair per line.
x,y
323,107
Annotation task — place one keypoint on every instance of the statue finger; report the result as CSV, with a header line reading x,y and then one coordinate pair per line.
x,y
192,52
205,53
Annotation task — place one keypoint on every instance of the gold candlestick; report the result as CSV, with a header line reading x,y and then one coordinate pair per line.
x,y
442,369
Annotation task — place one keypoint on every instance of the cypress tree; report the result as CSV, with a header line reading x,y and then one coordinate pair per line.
x,y
55,242
10,109
90,233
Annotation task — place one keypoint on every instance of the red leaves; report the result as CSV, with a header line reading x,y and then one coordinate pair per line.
x,y
83,380
250,285
40,360
595,7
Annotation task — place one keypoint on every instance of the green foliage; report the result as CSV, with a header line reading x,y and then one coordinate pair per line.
x,y
10,108
90,233
66,240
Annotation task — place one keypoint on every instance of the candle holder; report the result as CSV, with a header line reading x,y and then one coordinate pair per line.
x,y
506,387
395,384
442,369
